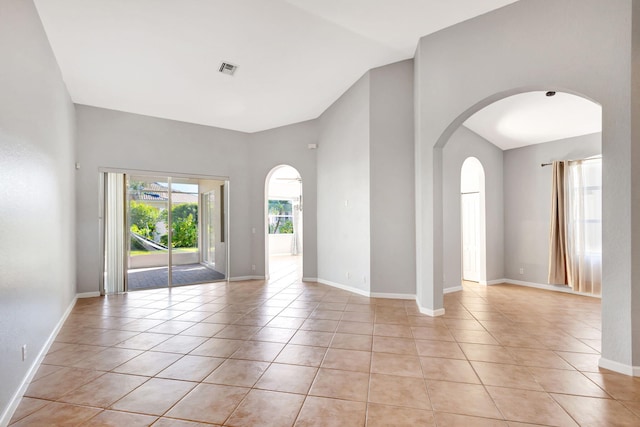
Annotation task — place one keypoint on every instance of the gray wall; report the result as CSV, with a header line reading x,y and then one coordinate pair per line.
x,y
463,144
580,46
392,200
343,178
285,145
112,139
37,253
527,198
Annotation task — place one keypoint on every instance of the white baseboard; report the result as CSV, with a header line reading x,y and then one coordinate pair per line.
x,y
17,396
87,295
451,290
344,287
428,312
309,279
391,296
556,288
621,368
244,278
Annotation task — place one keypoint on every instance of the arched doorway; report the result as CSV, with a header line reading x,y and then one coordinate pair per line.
x,y
284,224
517,212
473,224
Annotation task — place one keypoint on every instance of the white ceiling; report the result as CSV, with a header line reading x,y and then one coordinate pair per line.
x,y
533,118
296,57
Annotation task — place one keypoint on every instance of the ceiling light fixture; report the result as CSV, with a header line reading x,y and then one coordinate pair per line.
x,y
550,93
227,68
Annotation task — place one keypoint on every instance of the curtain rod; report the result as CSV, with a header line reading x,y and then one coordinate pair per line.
x,y
575,160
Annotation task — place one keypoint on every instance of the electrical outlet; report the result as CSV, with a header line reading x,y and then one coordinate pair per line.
x,y
348,275
24,352
253,267
521,270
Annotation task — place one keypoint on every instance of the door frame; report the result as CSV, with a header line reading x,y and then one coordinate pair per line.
x,y
102,171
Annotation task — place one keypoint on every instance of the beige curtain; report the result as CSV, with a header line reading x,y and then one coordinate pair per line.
x,y
558,274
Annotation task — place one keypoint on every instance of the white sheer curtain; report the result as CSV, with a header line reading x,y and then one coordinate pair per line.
x,y
584,225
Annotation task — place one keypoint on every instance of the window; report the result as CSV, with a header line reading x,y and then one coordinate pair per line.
x,y
280,217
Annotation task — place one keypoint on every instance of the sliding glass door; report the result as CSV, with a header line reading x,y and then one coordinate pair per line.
x,y
147,206
162,231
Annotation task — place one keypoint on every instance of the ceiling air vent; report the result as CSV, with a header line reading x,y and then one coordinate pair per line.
x,y
227,68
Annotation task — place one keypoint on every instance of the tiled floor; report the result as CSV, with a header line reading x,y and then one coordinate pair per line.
x,y
290,353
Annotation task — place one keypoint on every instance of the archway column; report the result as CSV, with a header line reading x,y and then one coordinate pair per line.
x,y
429,281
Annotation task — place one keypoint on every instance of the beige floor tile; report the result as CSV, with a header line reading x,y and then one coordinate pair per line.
x,y
72,354
312,338
60,383
540,408
396,364
359,328
191,368
385,415
567,382
242,373
148,363
590,411
448,370
619,386
394,345
348,360
179,344
455,420
487,353
286,322
397,331
208,403
104,390
172,422
322,412
238,332
287,378
320,325
206,330
301,355
632,406
27,406
352,316
539,358
267,409
119,419
154,397
108,359
258,350
58,415
326,314
502,375
344,385
444,349
581,361
473,337
217,347
144,341
399,391
172,327
438,333
463,399
352,342
269,334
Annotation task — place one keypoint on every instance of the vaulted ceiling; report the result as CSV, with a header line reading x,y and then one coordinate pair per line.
x,y
295,57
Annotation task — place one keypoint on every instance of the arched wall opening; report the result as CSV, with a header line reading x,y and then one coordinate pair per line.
x,y
525,46
283,213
